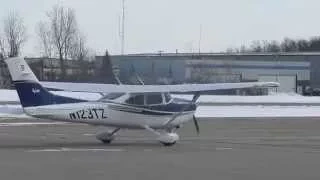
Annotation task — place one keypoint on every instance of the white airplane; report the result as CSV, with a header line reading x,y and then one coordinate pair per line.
x,y
148,107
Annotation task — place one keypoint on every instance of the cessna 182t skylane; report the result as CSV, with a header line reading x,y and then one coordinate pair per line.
x,y
148,107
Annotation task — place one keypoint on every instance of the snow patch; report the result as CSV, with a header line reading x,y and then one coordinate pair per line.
x,y
257,111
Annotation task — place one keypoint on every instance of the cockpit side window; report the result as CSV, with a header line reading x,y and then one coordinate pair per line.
x,y
154,98
137,99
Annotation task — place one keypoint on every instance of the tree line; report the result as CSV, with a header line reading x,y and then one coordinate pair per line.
x,y
58,36
286,45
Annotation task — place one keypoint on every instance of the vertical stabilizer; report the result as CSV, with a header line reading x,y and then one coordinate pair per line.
x,y
30,91
19,70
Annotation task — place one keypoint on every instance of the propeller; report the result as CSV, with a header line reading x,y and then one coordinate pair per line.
x,y
196,124
194,99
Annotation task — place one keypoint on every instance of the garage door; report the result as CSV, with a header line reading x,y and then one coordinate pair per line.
x,y
288,83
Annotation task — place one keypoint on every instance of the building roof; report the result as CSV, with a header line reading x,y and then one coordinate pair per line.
x,y
225,54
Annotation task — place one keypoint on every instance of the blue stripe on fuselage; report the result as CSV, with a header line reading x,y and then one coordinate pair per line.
x,y
33,94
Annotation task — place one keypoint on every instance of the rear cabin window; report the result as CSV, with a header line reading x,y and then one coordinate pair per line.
x,y
154,98
137,100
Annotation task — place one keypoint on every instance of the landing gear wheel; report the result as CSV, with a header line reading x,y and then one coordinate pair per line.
x,y
107,137
106,141
168,139
168,144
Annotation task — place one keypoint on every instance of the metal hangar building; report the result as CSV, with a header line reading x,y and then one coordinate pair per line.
x,y
294,71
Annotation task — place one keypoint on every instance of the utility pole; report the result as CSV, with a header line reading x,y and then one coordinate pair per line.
x,y
200,37
123,28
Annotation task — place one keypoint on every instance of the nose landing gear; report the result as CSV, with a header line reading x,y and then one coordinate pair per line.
x,y
166,138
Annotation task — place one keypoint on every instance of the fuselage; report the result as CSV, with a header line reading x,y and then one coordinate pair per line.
x,y
117,114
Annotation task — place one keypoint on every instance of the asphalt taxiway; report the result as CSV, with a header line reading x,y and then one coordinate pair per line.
x,y
241,149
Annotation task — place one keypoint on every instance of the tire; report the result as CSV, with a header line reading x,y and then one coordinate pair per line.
x,y
106,141
168,144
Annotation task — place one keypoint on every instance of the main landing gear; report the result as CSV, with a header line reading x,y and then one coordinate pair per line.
x,y
167,137
107,137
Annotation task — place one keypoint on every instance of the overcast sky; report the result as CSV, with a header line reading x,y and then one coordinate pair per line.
x,y
167,25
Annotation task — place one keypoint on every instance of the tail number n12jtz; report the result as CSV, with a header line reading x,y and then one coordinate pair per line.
x,y
88,114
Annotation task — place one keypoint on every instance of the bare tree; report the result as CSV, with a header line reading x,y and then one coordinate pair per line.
x,y
256,46
243,49
64,27
79,49
80,52
15,33
303,45
2,46
45,38
289,45
230,50
272,46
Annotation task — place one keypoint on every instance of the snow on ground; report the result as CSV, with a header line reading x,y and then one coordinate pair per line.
x,y
15,111
275,98
6,116
12,111
257,111
8,95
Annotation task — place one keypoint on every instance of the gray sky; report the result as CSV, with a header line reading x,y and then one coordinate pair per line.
x,y
153,25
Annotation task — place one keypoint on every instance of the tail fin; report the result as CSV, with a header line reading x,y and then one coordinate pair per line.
x,y
30,91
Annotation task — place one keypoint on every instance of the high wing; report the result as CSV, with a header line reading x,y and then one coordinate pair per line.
x,y
180,88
